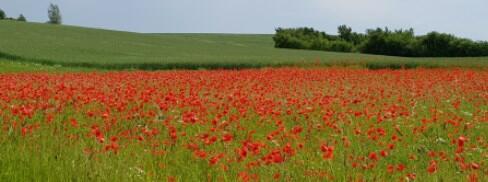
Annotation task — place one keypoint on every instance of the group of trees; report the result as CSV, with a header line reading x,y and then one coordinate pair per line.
x,y
54,15
308,38
3,16
434,44
381,41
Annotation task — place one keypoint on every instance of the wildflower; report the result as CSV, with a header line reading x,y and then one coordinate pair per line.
x,y
432,168
327,151
373,156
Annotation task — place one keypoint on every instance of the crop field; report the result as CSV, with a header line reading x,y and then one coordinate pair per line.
x,y
93,104
282,124
9,66
70,46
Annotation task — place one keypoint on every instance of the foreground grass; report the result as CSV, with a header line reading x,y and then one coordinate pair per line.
x,y
61,127
94,48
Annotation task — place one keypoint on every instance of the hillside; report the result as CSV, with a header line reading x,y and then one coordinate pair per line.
x,y
96,48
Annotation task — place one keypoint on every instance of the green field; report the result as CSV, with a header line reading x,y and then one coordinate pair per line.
x,y
8,66
70,46
75,117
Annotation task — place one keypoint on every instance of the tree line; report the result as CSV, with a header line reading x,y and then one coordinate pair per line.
x,y
383,41
3,16
54,15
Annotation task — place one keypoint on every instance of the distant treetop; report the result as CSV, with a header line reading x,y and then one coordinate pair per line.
x,y
2,14
380,41
54,14
21,18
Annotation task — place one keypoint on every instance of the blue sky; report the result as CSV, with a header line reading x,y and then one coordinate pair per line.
x,y
466,18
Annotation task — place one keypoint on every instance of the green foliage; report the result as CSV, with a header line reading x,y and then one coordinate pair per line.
x,y
341,46
54,14
308,38
21,18
386,42
2,14
345,33
300,38
439,44
380,41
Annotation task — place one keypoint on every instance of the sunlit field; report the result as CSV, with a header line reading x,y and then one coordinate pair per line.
x,y
287,124
79,47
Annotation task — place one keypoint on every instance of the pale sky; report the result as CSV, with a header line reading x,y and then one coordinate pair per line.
x,y
465,18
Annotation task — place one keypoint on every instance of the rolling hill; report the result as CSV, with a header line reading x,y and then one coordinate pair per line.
x,y
105,49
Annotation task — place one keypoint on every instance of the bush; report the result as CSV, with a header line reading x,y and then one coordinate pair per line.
x,y
386,42
21,18
285,40
320,44
341,46
436,44
308,38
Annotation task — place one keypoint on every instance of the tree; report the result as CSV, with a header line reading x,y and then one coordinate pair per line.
x,y
393,43
436,44
345,32
2,14
54,14
21,18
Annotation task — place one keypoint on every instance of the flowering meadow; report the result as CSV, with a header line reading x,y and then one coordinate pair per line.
x,y
286,124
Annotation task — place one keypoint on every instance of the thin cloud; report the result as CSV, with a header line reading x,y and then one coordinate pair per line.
x,y
462,18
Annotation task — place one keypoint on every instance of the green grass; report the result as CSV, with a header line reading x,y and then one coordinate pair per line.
x,y
95,48
8,66
55,150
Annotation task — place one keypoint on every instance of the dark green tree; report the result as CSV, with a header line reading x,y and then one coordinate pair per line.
x,y
21,18
382,41
436,44
54,14
2,14
345,33
393,43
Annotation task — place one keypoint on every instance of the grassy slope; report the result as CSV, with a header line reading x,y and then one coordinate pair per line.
x,y
8,66
75,46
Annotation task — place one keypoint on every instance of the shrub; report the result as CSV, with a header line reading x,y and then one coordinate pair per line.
x,y
341,46
436,44
308,38
21,18
320,44
386,42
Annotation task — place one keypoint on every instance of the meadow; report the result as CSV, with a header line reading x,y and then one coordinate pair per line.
x,y
80,104
286,124
9,66
70,46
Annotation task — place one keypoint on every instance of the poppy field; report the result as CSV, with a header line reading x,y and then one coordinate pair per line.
x,y
280,124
